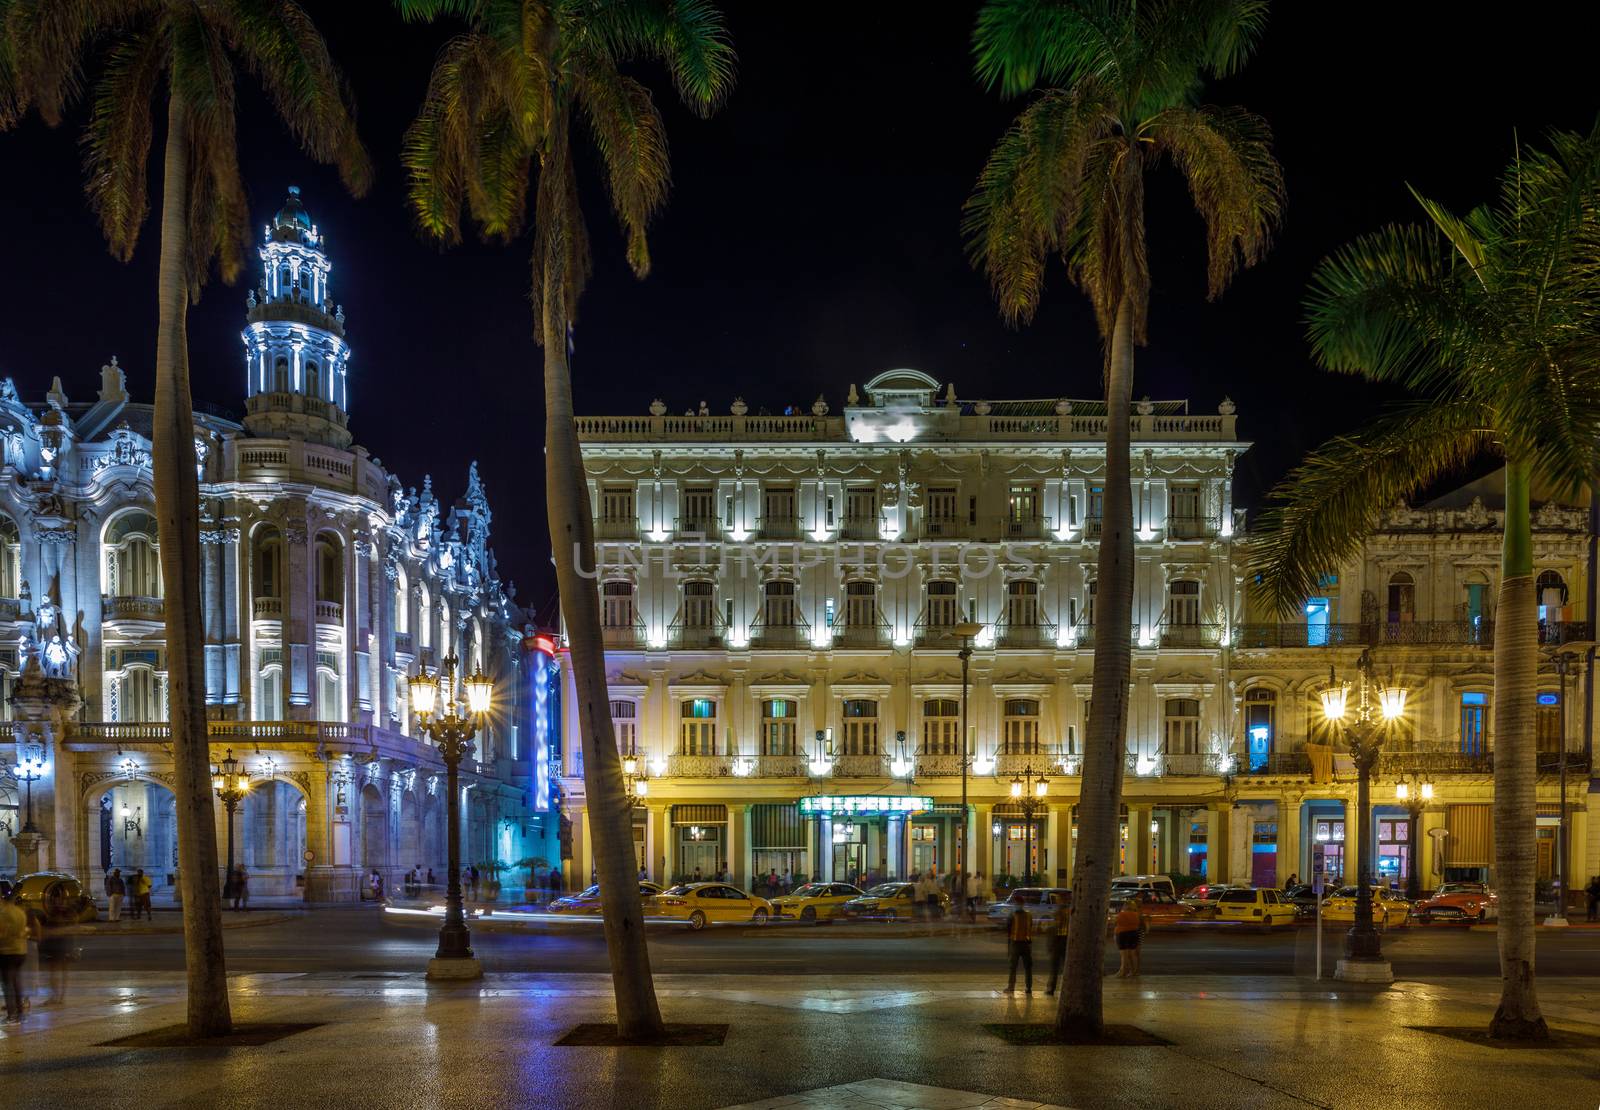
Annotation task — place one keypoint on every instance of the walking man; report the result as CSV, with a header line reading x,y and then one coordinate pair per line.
x,y
1058,938
116,890
1019,946
13,953
141,894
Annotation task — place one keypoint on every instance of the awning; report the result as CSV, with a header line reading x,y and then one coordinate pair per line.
x,y
777,826
700,815
1471,839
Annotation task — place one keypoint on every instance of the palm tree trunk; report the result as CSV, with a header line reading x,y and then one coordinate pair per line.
x,y
572,533
1516,637
1100,792
178,518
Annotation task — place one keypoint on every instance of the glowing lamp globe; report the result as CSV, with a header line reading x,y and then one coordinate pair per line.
x,y
424,694
480,692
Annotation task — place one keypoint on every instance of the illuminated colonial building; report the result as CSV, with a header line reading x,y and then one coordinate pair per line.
x,y
325,584
780,594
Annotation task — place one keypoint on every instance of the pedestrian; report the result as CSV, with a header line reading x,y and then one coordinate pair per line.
x,y
431,880
935,911
141,894
1019,946
241,889
14,931
984,890
55,947
472,874
555,882
696,878
969,895
1129,924
116,891
1294,881
786,886
1593,891
1060,920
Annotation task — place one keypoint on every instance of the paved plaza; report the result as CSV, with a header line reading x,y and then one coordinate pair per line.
x,y
387,1039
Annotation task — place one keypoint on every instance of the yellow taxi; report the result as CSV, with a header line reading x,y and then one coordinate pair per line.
x,y
1388,908
1255,906
702,904
814,902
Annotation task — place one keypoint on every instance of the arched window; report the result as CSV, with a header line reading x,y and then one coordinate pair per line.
x,y
446,628
10,558
780,725
139,696
280,376
1551,591
941,726
132,556
330,705
313,380
330,568
1020,727
402,607
1260,725
1181,726
285,280
624,724
267,562
697,729
1402,598
424,618
860,726
269,694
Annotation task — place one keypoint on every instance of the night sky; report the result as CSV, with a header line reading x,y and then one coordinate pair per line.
x,y
811,239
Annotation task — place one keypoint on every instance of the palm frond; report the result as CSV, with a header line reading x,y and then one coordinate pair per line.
x,y
420,11
689,36
116,142
633,145
1322,512
1225,155
1462,235
436,149
1030,198
48,40
1020,44
1182,38
284,50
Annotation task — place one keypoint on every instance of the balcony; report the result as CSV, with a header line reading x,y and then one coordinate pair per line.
x,y
1190,527
1023,528
689,529
624,635
943,528
863,635
330,612
1277,763
616,528
268,608
696,635
699,766
1094,527
1191,636
861,766
791,635
778,528
1298,635
1460,633
128,608
1437,760
861,529
1034,636
934,632
403,643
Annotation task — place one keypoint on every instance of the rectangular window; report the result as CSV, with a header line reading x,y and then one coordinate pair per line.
x,y
942,605
779,724
1547,719
1183,510
1474,717
778,511
861,605
1023,504
699,511
1182,726
616,505
860,727
623,724
697,731
1020,728
861,506
1183,605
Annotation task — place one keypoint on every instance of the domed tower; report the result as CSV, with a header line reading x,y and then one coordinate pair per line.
x,y
296,356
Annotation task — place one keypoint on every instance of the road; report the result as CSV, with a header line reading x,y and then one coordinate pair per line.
x,y
364,941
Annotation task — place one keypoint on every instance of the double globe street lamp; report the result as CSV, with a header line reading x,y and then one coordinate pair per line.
x,y
1028,792
1415,792
1365,727
231,782
450,713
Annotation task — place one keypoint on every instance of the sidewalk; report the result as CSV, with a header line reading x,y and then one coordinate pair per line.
x,y
390,1040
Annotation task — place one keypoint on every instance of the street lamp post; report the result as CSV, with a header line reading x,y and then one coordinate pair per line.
x,y
1413,791
30,766
1364,734
1563,655
450,713
1029,793
231,785
966,631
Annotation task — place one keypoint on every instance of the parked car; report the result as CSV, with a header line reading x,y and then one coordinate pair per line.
x,y
1388,908
702,904
1156,907
1261,906
1305,898
54,894
1458,902
1204,898
1122,885
1040,900
890,902
814,903
588,901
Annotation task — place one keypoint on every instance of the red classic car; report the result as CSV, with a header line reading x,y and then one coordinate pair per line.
x,y
1458,902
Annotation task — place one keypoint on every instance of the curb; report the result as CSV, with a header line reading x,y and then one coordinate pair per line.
x,y
117,929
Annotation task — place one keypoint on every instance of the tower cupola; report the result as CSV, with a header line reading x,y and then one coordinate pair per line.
x,y
296,357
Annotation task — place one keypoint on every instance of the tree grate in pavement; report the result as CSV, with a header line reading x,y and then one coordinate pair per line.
x,y
245,1034
679,1035
1020,1033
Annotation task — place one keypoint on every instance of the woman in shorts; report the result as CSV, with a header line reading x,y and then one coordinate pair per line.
x,y
1128,926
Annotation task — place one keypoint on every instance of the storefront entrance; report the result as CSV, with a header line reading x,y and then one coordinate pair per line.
x,y
699,847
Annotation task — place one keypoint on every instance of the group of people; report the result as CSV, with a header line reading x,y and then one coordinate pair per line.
x,y
1128,928
237,888
415,880
135,890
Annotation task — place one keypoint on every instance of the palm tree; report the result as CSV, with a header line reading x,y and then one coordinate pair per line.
x,y
191,49
1068,178
499,110
1494,318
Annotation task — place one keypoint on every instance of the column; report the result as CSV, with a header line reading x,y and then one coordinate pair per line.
x,y
299,617
747,847
1289,861
894,829
582,855
655,844
1429,873
736,845
234,587
1061,845
212,605
824,866
1138,862
358,631
1353,834
1579,865
1218,818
